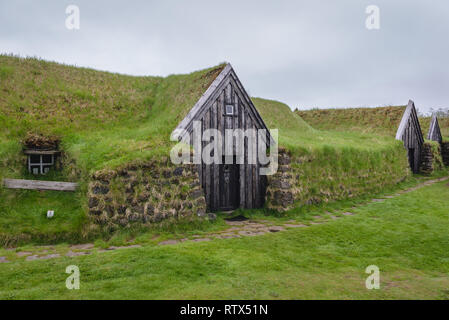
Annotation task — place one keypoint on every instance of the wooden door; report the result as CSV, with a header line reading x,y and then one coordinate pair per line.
x,y
411,159
229,186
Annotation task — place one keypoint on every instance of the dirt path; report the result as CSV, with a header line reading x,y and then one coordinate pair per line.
x,y
236,229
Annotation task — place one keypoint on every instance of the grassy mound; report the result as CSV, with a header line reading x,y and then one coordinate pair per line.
x,y
105,120
301,134
381,120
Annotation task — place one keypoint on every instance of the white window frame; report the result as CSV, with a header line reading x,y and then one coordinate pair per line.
x,y
226,110
41,164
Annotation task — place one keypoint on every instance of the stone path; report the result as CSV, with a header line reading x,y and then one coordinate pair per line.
x,y
236,229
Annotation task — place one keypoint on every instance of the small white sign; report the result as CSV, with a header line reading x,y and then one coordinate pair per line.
x,y
50,214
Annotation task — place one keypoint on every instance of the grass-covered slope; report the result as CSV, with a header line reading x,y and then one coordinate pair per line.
x,y
381,120
328,165
106,120
103,119
302,134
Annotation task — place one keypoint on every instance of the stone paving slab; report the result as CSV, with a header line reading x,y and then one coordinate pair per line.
x,y
201,239
236,223
124,247
167,242
226,236
289,225
256,225
248,233
76,254
85,246
23,254
3,260
36,257
276,229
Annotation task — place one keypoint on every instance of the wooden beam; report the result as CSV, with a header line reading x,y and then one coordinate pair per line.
x,y
39,152
39,185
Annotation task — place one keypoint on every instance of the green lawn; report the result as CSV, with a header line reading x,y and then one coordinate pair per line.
x,y
406,237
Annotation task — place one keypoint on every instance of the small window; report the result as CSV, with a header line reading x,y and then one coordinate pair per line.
x,y
40,162
229,110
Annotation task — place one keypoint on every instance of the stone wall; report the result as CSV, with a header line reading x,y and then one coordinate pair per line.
x,y
431,158
146,192
445,153
152,191
426,165
280,192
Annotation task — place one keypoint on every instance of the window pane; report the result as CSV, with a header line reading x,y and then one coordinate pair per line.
x,y
35,158
46,158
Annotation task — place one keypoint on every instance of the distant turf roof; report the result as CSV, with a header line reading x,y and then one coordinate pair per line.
x,y
379,120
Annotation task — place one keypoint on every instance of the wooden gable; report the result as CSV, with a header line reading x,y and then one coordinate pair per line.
x,y
225,89
409,129
231,183
410,133
434,130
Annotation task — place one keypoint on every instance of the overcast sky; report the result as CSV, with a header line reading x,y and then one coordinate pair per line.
x,y
304,53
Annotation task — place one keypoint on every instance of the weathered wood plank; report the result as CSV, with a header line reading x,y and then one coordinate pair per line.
x,y
221,110
203,166
208,177
39,185
38,152
249,169
256,177
260,124
242,166
216,178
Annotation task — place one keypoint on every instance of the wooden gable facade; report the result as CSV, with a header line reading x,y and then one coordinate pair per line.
x,y
434,130
410,133
226,105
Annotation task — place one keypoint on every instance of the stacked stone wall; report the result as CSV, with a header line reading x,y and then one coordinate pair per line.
x,y
146,192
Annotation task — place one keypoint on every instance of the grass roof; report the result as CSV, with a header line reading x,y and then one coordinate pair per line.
x,y
106,119
380,120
